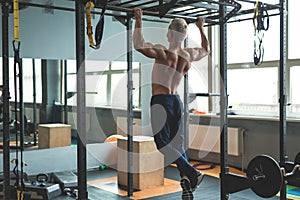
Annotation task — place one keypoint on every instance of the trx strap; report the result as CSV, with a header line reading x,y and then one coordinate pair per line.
x,y
16,21
261,17
18,74
260,24
100,25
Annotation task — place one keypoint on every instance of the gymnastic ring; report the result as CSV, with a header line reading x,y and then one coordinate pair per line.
x,y
210,166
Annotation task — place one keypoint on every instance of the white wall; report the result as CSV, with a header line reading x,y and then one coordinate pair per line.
x,y
52,36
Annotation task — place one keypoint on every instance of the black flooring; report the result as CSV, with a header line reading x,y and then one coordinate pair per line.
x,y
208,190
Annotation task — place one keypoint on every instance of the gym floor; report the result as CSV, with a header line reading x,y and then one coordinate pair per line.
x,y
107,188
102,184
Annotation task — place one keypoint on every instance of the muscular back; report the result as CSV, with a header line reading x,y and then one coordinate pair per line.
x,y
168,71
170,65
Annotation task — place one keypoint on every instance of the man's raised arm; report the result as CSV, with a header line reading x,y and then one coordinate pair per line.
x,y
198,53
139,43
138,39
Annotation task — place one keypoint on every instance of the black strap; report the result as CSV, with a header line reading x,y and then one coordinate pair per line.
x,y
16,48
261,24
258,49
99,28
261,17
18,75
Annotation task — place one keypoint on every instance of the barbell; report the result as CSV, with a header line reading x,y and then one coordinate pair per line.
x,y
264,176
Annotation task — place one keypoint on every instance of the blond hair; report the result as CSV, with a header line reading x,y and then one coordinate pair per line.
x,y
178,27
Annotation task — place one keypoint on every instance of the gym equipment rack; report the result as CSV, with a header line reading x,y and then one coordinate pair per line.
x,y
215,12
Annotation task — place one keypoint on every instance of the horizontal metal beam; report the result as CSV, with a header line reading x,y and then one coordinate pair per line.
x,y
143,4
152,13
254,2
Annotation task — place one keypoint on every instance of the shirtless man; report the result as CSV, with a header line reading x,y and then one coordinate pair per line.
x,y
171,64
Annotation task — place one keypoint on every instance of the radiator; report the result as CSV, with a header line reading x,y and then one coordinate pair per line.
x,y
207,138
201,137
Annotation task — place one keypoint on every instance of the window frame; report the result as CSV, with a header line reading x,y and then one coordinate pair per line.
x,y
109,72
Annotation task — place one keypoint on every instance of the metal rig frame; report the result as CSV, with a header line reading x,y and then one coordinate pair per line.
x,y
215,12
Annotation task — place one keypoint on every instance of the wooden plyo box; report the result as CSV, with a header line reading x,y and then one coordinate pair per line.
x,y
148,163
54,135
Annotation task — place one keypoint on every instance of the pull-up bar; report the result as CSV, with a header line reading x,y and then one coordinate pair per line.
x,y
204,94
193,96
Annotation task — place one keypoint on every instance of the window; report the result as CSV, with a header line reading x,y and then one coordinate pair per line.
x,y
27,65
253,91
106,83
119,84
96,90
198,83
96,82
194,37
28,80
294,108
294,32
71,82
295,83
1,71
198,74
241,44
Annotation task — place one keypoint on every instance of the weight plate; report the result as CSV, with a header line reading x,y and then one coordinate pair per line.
x,y
265,175
297,159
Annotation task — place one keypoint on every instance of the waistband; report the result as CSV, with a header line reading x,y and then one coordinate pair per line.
x,y
166,95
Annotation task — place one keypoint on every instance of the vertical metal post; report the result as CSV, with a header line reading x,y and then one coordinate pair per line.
x,y
6,140
66,92
186,113
81,113
129,108
223,99
282,100
210,77
21,116
34,102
